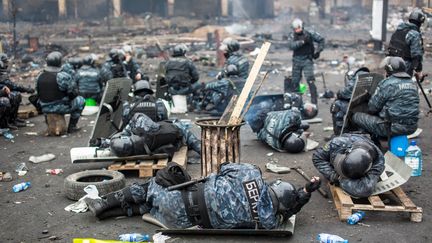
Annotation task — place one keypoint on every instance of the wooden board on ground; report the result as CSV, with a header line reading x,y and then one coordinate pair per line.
x,y
147,168
345,205
238,108
25,112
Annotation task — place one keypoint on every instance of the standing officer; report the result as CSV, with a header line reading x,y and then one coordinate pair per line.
x,y
302,44
407,42
58,92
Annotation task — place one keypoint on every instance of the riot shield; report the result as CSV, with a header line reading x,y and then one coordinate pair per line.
x,y
161,85
364,87
109,118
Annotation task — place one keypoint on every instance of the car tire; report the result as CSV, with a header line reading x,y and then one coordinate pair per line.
x,y
106,181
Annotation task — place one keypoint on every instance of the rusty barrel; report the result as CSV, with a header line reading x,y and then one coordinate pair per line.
x,y
219,144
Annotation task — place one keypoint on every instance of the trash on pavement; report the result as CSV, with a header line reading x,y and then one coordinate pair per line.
x,y
42,158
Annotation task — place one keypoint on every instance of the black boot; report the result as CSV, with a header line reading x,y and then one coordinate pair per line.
x,y
313,92
73,125
98,206
117,212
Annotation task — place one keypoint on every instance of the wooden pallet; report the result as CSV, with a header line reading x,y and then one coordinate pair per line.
x,y
25,112
147,168
345,204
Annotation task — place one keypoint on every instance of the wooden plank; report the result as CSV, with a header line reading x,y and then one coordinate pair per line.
x,y
207,153
115,166
130,164
405,200
376,201
228,111
146,169
229,143
162,163
181,156
249,84
343,197
214,149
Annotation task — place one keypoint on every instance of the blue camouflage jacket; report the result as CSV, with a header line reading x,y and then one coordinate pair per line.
x,y
241,62
323,157
89,80
296,44
226,199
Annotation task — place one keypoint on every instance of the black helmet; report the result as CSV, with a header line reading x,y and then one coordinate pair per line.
x,y
309,111
361,70
118,56
356,161
283,194
394,66
89,60
231,70
293,142
416,17
112,53
180,50
76,62
142,85
230,45
122,145
54,59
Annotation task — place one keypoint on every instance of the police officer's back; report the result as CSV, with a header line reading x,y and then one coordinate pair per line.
x,y
231,50
89,79
407,42
181,73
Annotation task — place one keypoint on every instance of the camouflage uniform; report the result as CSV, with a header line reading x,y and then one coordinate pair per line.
x,y
89,82
226,201
303,51
396,96
413,41
180,74
69,69
111,70
241,62
133,68
5,106
324,157
14,96
70,103
277,124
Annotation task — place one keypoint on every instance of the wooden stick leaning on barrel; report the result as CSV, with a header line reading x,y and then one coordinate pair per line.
x,y
238,108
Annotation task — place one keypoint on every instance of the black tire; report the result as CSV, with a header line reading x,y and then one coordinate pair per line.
x,y
106,181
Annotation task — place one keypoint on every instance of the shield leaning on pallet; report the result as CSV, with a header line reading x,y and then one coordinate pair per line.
x,y
109,118
364,87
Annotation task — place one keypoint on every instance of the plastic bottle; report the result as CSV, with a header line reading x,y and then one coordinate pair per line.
x,y
8,135
21,187
356,217
413,158
134,237
328,238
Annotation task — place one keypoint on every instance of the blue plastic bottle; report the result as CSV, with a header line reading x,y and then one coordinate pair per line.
x,y
134,237
413,158
21,187
356,217
328,238
8,135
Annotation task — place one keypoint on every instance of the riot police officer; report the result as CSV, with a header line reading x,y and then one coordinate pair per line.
x,y
340,105
144,102
302,43
394,107
407,42
144,136
236,197
231,50
89,80
58,92
14,94
180,72
132,67
4,106
282,130
352,162
114,66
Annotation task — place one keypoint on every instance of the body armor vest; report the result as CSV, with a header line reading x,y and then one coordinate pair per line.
x,y
48,89
398,46
146,106
308,48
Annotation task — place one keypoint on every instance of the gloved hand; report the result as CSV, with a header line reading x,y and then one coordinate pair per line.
x,y
313,185
316,55
334,179
220,75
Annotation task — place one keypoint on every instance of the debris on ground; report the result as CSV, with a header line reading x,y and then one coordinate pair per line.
x,y
41,158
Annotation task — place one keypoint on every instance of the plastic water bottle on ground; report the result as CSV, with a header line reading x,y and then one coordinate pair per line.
x,y
356,217
414,159
134,237
21,187
328,238
8,135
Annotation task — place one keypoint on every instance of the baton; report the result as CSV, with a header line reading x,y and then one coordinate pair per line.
x,y
419,81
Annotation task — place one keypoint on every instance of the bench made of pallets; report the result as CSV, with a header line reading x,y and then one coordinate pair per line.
x,y
345,204
25,112
146,168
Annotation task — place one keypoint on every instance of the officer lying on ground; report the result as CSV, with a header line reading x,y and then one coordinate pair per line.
x,y
236,197
143,136
352,162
